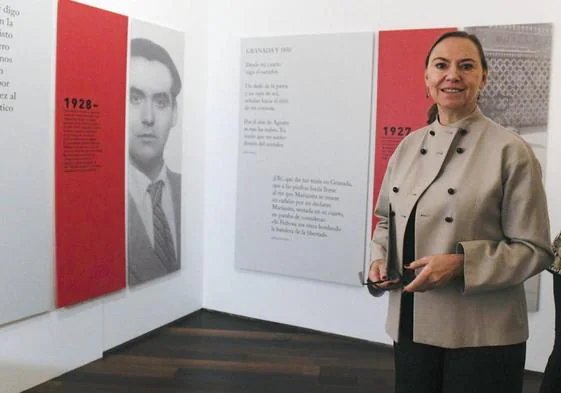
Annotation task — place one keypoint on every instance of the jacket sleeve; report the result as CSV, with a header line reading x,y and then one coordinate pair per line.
x,y
525,248
379,240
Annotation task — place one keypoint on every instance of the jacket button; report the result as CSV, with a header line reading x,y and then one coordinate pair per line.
x,y
431,132
460,150
392,214
395,189
448,219
463,131
423,151
451,191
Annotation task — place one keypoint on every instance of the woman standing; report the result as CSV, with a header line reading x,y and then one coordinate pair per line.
x,y
471,225
551,382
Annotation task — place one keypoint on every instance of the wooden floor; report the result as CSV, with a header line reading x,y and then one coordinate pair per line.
x,y
212,352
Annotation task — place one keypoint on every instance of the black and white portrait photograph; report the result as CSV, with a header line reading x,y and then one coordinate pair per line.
x,y
155,76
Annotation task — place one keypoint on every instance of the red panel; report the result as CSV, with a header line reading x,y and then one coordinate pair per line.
x,y
90,152
401,104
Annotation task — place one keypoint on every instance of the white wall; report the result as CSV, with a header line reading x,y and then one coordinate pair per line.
x,y
313,304
40,348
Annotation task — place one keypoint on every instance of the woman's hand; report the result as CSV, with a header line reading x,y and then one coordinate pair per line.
x,y
379,275
437,271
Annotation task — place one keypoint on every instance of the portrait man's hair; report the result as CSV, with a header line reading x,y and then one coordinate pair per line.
x,y
142,47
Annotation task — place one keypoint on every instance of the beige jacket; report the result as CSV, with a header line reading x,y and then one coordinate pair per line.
x,y
477,185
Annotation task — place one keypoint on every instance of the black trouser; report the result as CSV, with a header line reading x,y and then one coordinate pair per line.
x,y
552,376
426,369
421,368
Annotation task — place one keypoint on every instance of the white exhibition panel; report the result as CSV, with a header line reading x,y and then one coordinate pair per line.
x,y
304,140
26,211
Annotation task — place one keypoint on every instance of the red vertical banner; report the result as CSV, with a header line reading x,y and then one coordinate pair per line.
x,y
401,103
90,152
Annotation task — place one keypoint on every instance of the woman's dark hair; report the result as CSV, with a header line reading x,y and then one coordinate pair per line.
x,y
433,110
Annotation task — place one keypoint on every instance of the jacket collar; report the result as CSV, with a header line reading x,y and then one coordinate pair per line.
x,y
464,123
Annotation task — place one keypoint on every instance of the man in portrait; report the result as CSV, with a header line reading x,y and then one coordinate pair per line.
x,y
154,191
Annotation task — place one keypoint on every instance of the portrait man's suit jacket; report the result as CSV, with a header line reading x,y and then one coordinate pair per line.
x,y
143,263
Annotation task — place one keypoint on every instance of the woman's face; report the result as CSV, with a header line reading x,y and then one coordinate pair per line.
x,y
454,77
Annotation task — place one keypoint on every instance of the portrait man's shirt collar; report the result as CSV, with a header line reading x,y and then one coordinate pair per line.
x,y
138,189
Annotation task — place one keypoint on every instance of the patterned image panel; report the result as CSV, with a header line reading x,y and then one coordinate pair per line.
x,y
519,58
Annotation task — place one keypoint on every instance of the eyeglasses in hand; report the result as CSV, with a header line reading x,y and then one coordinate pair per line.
x,y
374,288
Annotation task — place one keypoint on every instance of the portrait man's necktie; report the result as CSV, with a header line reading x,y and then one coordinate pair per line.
x,y
163,241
